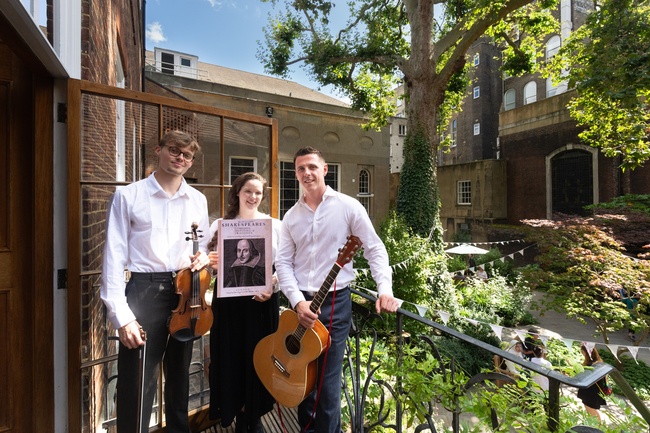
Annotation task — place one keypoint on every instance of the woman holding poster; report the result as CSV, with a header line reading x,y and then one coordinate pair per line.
x,y
241,321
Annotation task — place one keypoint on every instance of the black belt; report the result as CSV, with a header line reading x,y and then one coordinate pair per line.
x,y
153,276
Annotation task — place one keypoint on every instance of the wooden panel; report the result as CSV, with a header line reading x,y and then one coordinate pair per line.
x,y
74,256
4,159
5,390
42,253
17,243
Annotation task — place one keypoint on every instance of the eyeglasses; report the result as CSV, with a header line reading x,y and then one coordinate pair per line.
x,y
175,151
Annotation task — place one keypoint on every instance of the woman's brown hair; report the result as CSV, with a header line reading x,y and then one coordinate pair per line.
x,y
590,358
233,200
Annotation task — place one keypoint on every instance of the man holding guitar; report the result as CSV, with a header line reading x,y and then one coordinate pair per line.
x,y
313,230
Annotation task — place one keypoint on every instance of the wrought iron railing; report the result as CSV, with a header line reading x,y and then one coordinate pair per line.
x,y
362,374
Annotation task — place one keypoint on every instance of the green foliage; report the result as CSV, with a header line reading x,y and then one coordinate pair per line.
x,y
583,268
417,198
375,356
608,62
495,300
466,356
564,359
524,411
522,36
383,43
635,202
491,261
636,374
419,274
516,409
420,277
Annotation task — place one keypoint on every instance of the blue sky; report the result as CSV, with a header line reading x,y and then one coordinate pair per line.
x,y
224,33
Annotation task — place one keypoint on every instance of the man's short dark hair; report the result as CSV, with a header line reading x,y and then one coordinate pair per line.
x,y
308,151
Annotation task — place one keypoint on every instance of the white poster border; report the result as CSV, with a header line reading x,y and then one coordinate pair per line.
x,y
257,232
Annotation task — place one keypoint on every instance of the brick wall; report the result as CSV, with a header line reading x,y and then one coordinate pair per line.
x,y
111,30
105,27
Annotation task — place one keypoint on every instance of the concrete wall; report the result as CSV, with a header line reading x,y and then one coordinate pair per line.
x,y
489,195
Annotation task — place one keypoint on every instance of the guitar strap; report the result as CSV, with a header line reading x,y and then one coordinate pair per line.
x,y
327,349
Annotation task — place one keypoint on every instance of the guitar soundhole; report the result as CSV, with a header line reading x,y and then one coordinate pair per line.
x,y
293,344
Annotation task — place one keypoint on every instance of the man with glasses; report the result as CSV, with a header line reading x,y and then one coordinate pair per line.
x,y
146,230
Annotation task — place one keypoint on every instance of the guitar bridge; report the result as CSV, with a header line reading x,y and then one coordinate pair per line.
x,y
279,366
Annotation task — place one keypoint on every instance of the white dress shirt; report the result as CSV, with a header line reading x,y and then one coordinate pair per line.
x,y
146,232
540,380
311,240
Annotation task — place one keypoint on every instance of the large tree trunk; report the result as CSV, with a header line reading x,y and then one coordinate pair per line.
x,y
417,197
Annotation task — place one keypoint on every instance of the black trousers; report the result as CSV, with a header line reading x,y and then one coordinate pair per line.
x,y
152,297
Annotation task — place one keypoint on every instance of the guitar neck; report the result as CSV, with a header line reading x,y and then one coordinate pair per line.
x,y
346,254
319,297
325,288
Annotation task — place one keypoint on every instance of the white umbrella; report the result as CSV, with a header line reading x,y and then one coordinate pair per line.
x,y
466,249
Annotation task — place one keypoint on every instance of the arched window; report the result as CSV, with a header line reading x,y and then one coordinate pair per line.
x,y
551,89
364,194
530,93
454,132
509,100
552,46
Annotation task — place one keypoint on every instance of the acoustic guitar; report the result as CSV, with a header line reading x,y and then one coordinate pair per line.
x,y
285,361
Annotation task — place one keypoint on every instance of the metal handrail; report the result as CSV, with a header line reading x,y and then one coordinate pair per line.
x,y
581,380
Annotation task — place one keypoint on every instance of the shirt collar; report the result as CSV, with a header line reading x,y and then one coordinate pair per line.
x,y
155,188
329,192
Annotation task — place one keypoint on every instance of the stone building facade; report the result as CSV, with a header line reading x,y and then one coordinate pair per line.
x,y
358,160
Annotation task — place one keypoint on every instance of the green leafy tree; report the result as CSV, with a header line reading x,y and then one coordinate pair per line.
x,y
608,62
583,267
385,42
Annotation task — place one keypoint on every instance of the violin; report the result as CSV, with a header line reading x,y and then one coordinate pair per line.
x,y
192,317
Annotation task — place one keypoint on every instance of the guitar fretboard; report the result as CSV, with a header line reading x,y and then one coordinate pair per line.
x,y
319,297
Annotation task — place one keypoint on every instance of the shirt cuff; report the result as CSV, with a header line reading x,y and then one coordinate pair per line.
x,y
295,297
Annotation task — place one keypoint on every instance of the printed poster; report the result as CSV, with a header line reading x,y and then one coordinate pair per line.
x,y
245,257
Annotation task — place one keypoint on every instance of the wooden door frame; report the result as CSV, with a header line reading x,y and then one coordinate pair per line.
x,y
38,189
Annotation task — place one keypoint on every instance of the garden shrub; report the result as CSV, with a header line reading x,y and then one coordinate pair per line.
x,y
637,375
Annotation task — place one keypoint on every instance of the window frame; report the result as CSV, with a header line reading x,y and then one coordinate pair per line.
x,y
464,192
529,97
454,132
551,51
509,105
551,89
364,194
232,176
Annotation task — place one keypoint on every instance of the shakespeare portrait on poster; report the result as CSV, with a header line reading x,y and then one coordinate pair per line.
x,y
245,246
